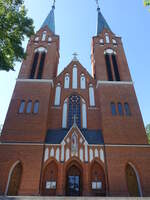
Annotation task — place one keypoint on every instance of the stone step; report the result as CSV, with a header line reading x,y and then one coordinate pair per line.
x,y
70,198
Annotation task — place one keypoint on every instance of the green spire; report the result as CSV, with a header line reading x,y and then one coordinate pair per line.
x,y
50,20
101,22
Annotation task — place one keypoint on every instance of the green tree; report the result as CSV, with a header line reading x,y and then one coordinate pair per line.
x,y
14,27
148,132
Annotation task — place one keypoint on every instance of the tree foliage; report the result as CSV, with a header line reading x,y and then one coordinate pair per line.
x,y
14,27
148,132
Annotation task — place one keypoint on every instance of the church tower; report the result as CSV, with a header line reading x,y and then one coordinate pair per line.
x,y
74,134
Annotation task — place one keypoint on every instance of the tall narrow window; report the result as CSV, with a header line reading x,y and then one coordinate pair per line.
x,y
67,81
91,95
22,106
107,38
117,75
108,66
120,109
84,114
36,107
40,72
74,112
113,109
82,82
57,95
44,36
74,78
29,107
127,109
64,117
34,65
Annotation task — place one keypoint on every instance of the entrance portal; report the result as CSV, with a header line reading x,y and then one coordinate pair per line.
x,y
74,182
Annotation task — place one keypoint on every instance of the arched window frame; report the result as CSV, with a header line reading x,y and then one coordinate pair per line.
x,y
120,109
84,114
91,95
29,107
57,95
107,38
127,109
36,107
22,107
113,109
74,77
65,114
82,81
67,81
44,35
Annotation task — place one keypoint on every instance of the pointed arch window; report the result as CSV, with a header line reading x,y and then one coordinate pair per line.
x,y
44,36
57,95
115,65
29,106
74,112
108,66
36,107
84,115
82,82
34,65
22,106
107,38
113,109
127,109
41,66
64,117
74,77
67,81
120,109
91,95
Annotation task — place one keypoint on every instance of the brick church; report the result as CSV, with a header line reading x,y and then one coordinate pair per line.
x,y
73,133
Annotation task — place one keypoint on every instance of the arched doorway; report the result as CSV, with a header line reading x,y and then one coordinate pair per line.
x,y
74,181
14,179
49,183
98,183
133,181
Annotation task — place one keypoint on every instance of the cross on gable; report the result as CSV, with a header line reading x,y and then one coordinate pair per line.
x,y
75,56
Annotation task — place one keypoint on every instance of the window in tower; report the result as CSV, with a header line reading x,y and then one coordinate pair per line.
x,y
113,109
64,117
91,95
22,106
101,41
41,66
107,38
114,41
34,65
49,39
108,66
44,36
116,70
74,112
74,77
36,107
120,109
36,39
82,82
57,95
67,81
127,109
29,106
84,115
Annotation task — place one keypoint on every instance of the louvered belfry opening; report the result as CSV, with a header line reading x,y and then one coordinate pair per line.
x,y
34,65
41,66
108,66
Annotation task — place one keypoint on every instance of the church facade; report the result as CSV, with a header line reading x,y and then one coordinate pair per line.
x,y
74,134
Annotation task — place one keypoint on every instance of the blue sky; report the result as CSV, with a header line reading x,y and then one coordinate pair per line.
x,y
76,24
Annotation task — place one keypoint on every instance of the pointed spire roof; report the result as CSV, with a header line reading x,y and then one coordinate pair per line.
x,y
101,23
50,20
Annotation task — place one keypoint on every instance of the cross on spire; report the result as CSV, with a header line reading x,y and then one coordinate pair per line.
x,y
97,3
54,3
75,56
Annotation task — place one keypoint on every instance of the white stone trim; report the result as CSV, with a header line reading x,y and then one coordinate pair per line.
x,y
114,83
128,145
36,81
9,176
